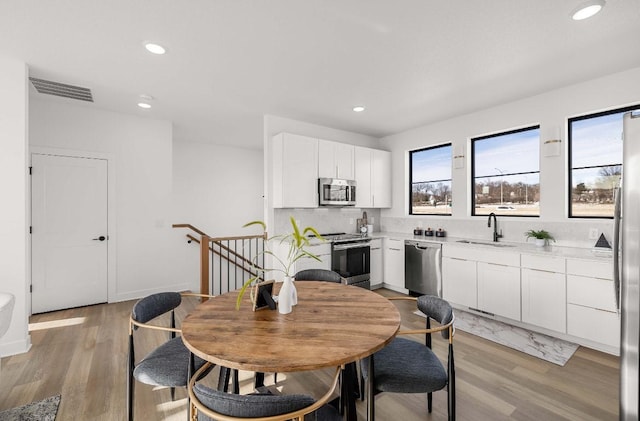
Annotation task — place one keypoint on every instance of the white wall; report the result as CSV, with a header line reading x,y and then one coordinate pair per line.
x,y
142,150
551,111
216,189
14,270
329,219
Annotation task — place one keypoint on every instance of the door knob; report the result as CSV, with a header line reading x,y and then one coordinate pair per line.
x,y
101,238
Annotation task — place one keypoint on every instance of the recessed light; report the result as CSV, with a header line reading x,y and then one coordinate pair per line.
x,y
154,48
144,105
587,9
358,108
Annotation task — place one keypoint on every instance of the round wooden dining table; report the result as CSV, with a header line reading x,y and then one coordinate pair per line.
x,y
332,325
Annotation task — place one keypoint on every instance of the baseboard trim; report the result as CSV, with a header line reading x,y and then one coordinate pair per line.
x,y
134,295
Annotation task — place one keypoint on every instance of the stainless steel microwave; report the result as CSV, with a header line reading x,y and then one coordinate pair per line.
x,y
336,192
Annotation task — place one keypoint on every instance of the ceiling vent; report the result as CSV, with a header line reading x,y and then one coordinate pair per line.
x,y
60,89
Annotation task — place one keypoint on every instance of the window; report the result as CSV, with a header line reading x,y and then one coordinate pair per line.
x,y
595,162
430,181
506,173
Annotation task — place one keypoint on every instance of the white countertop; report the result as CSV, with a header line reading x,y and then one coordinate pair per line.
x,y
528,248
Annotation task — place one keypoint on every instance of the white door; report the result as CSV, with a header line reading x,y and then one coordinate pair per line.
x,y
69,237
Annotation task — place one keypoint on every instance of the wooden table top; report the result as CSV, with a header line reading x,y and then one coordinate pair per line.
x,y
332,324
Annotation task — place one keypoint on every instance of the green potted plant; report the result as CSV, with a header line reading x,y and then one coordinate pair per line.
x,y
294,242
542,237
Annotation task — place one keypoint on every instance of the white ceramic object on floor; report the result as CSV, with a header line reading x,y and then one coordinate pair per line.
x,y
6,311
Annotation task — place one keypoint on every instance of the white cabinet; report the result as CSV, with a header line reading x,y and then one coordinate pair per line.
x,y
381,179
376,262
459,284
499,289
591,306
487,280
335,160
322,251
394,264
295,171
544,297
373,178
363,156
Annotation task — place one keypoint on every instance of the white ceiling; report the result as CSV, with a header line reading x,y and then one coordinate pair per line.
x,y
410,62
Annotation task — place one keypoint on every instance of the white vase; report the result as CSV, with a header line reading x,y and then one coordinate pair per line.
x,y
285,295
540,242
294,293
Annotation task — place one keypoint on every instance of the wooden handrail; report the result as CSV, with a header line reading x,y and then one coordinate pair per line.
x,y
191,227
207,245
232,252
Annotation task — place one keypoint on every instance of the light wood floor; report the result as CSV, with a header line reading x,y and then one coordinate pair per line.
x,y
81,354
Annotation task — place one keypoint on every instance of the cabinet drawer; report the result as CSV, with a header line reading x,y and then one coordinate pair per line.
x,y
499,257
591,292
594,325
545,263
394,244
603,270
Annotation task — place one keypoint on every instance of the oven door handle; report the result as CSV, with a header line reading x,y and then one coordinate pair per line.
x,y
361,244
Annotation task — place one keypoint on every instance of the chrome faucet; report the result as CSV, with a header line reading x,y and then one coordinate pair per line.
x,y
495,227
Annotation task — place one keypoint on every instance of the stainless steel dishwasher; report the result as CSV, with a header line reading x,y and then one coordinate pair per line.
x,y
423,268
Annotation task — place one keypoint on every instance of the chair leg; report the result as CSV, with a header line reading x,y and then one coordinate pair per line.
x,y
429,401
371,403
275,378
223,380
236,382
173,394
130,366
451,386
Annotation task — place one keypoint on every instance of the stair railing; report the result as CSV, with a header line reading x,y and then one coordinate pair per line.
x,y
226,263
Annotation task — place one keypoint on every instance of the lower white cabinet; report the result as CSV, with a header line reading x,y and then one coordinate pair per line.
x,y
394,263
499,289
459,283
544,299
375,268
322,251
591,306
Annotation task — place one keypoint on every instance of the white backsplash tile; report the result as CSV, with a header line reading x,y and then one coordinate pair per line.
x,y
325,220
568,233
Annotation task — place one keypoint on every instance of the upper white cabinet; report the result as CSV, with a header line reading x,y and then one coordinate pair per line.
x,y
295,171
373,178
381,179
335,160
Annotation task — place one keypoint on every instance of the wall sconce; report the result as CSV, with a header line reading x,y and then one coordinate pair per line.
x,y
551,146
458,157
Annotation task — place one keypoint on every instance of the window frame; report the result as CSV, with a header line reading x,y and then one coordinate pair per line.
x,y
411,152
473,169
570,155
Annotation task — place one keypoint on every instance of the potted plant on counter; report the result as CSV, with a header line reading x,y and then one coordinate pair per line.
x,y
293,249
542,237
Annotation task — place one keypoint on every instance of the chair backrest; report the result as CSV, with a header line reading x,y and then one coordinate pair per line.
x,y
437,309
152,306
318,275
221,406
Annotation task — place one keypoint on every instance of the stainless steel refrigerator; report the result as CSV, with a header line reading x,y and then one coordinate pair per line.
x,y
626,251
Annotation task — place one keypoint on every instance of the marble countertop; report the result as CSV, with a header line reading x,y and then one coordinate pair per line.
x,y
527,248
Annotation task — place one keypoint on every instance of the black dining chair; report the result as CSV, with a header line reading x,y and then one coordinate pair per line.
x,y
167,365
318,275
208,404
408,366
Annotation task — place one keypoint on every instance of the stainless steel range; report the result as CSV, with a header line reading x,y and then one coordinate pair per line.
x,y
350,255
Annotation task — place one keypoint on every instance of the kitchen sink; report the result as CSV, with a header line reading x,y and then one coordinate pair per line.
x,y
486,243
